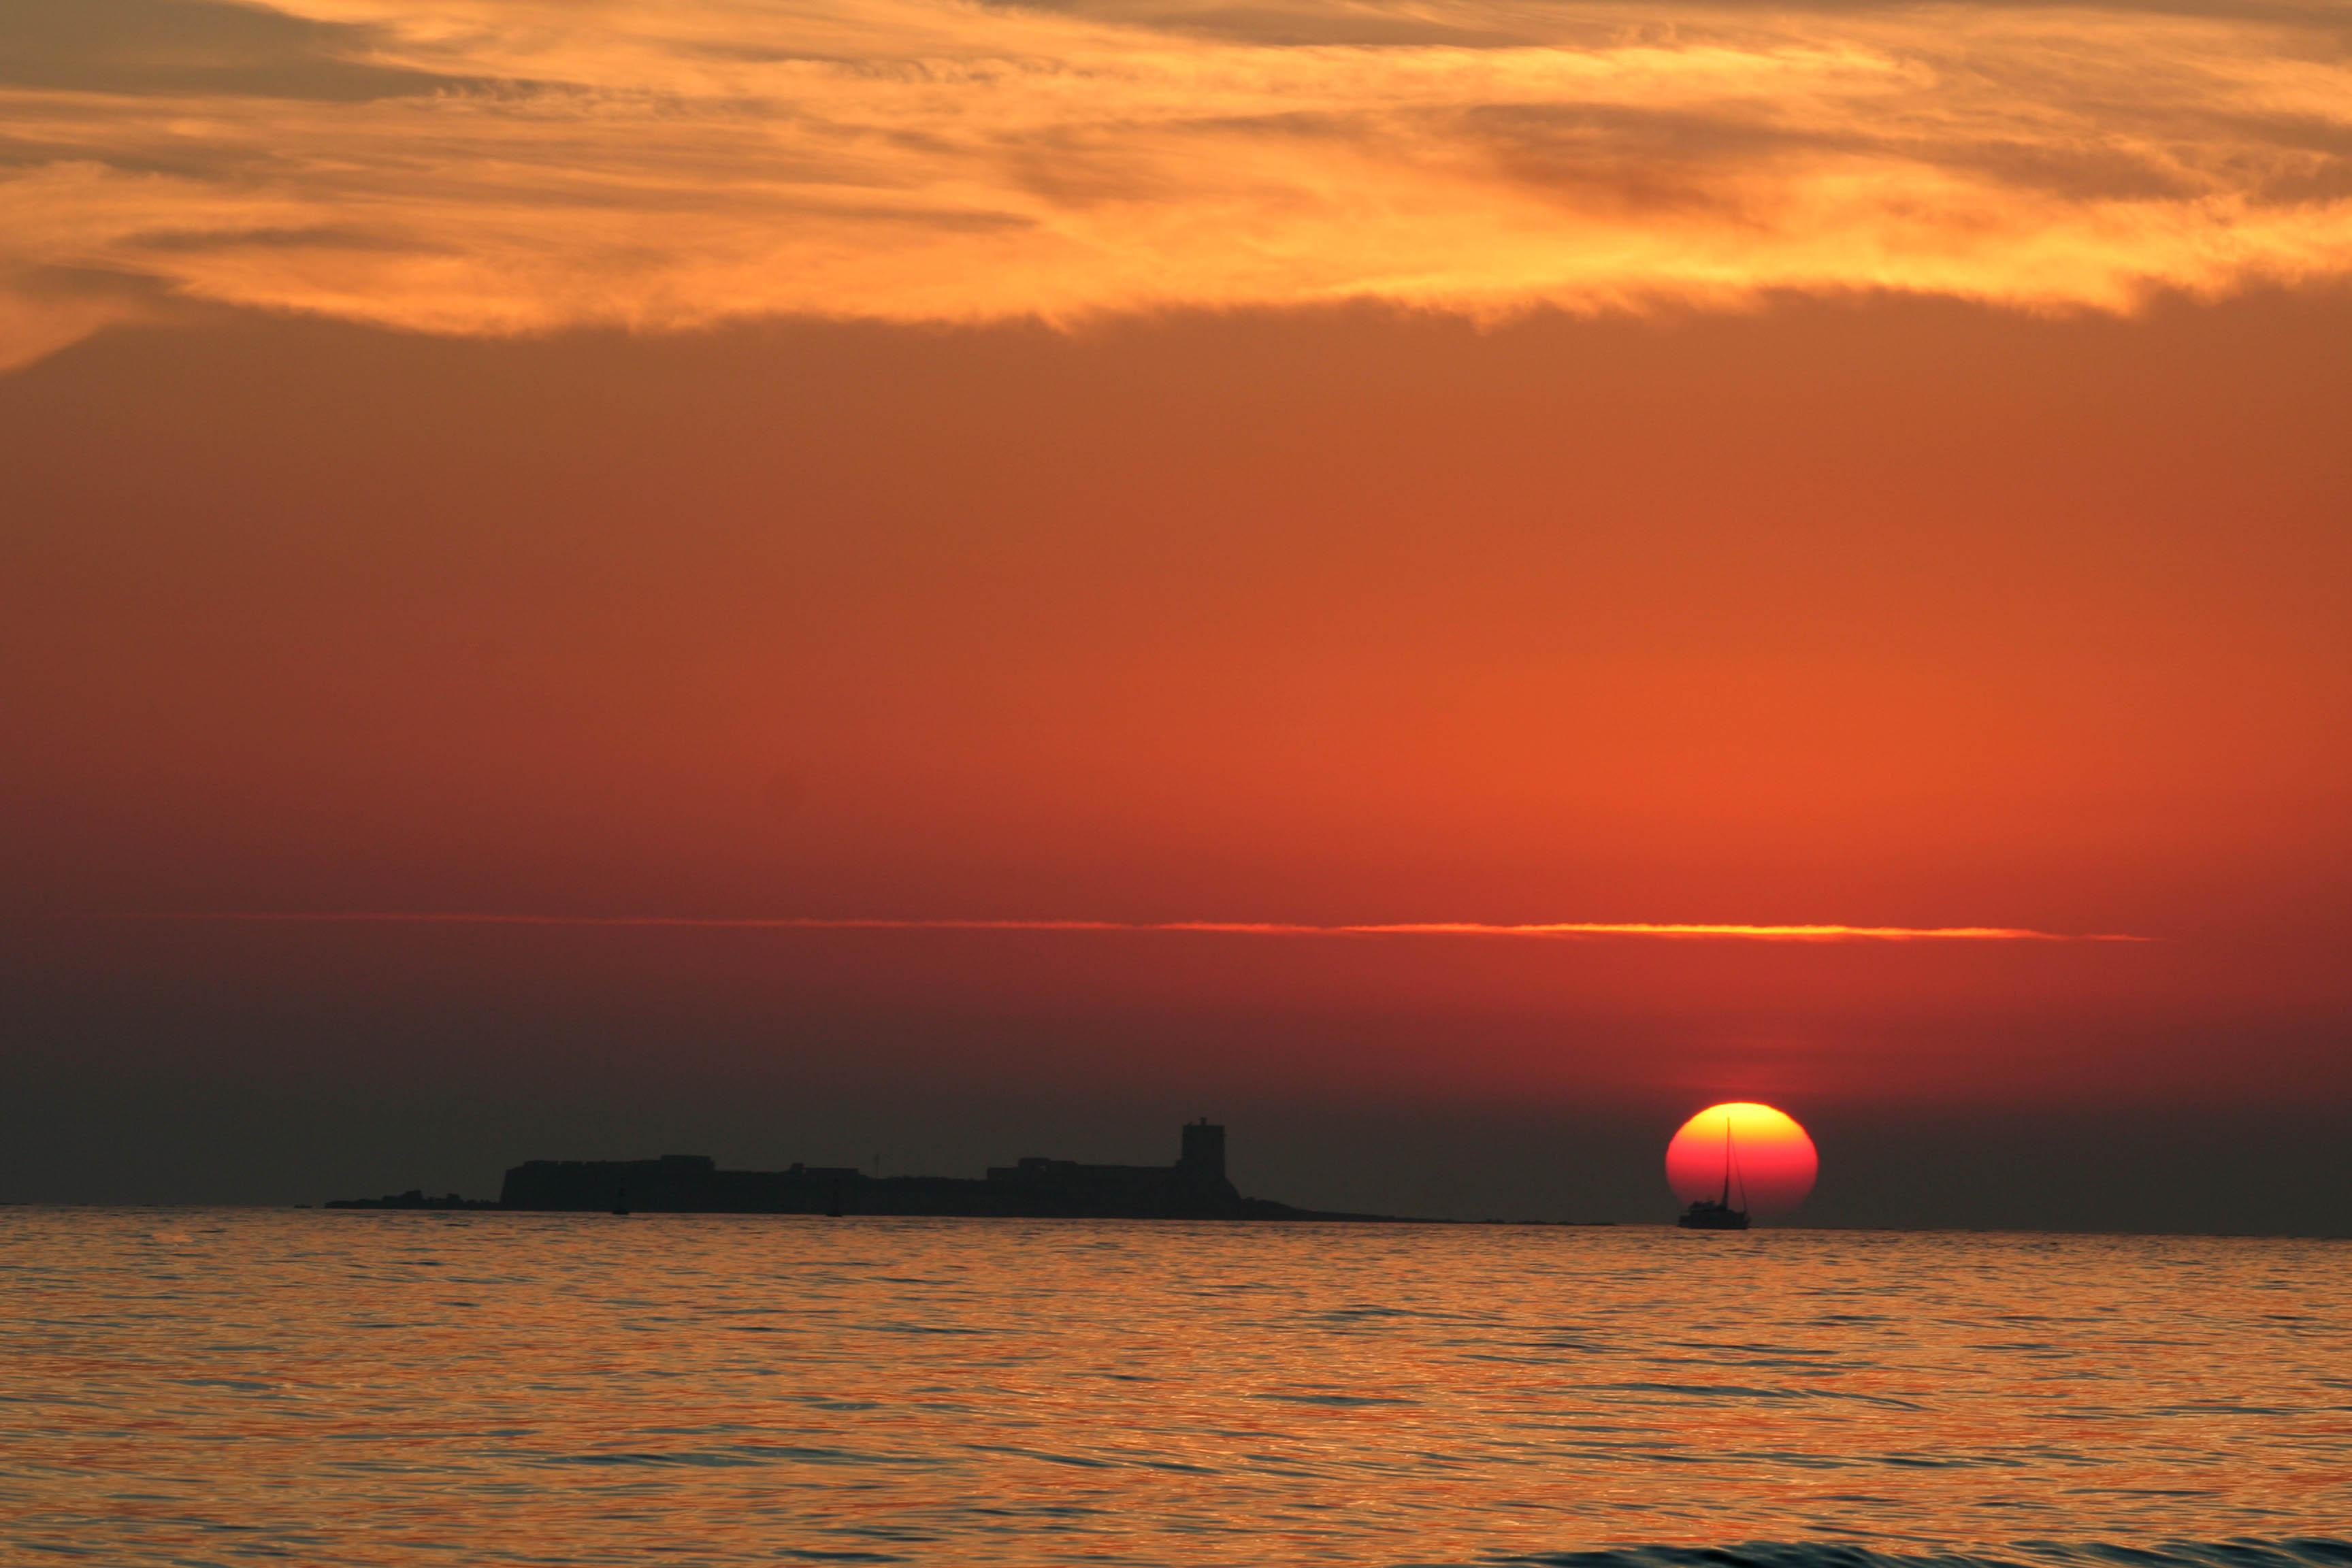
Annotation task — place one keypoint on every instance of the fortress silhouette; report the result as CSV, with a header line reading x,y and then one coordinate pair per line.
x,y
1194,1187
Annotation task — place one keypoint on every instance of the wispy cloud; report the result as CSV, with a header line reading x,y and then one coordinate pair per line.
x,y
1555,930
525,165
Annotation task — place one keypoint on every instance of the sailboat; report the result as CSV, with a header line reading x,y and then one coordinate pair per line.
x,y
1717,1214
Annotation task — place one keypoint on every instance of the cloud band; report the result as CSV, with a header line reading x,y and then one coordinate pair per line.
x,y
1822,932
497,166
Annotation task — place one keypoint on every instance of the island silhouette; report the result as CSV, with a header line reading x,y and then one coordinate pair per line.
x,y
1194,1187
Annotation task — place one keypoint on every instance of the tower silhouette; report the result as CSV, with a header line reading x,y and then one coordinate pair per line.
x,y
1203,1159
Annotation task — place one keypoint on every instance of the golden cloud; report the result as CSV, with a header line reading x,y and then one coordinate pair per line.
x,y
528,166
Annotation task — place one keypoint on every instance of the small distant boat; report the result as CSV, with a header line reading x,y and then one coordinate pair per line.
x,y
1709,1215
1717,1214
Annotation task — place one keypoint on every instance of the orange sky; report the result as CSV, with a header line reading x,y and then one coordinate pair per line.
x,y
1324,466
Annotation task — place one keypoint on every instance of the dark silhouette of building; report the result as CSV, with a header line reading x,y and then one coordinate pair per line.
x,y
1194,1187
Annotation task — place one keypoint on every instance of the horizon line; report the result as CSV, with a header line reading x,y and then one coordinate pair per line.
x,y
1556,929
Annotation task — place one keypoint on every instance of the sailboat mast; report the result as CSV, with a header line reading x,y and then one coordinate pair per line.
x,y
1725,1200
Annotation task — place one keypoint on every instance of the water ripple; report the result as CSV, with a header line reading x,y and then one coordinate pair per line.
x,y
374,1391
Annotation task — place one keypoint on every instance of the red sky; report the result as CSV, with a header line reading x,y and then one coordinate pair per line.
x,y
2006,586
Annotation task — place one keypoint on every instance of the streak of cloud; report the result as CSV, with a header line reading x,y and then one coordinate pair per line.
x,y
471,167
1686,931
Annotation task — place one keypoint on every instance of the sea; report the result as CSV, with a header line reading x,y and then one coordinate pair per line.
x,y
233,1386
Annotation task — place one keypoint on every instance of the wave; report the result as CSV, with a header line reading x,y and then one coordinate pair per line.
x,y
2313,1552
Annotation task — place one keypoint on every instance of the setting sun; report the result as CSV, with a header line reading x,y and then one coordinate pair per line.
x,y
1759,1156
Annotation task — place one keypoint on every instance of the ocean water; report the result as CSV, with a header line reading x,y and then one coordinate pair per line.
x,y
234,1386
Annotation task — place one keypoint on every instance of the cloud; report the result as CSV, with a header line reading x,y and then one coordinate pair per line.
x,y
1551,929
189,47
471,167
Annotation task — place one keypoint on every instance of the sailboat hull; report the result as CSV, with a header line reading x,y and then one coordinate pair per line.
x,y
1717,1214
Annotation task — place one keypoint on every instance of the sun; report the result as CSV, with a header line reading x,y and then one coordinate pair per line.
x,y
1769,1161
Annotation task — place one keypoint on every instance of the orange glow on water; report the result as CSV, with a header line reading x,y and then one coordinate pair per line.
x,y
1771,1162
645,1389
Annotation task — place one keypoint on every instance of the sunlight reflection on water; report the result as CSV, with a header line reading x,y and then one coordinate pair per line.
x,y
214,1386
